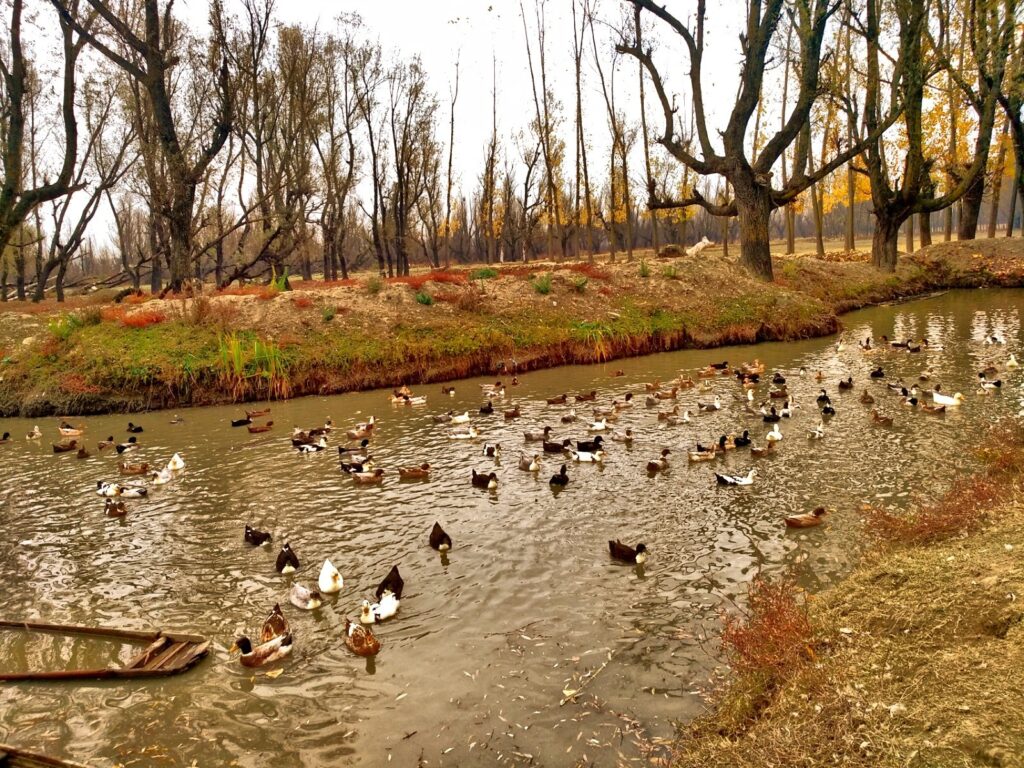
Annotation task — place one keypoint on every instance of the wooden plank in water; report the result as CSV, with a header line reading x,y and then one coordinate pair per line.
x,y
143,658
13,757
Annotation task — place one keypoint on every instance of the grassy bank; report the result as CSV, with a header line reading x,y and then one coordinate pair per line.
x,y
914,660
99,356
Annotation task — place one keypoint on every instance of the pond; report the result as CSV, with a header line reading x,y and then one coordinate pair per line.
x,y
528,604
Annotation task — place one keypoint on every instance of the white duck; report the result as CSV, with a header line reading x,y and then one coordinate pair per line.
x,y
162,477
747,479
133,491
366,613
176,464
598,426
1012,362
460,418
304,598
714,406
463,434
330,581
312,447
595,457
950,402
818,432
110,490
387,607
775,435
35,434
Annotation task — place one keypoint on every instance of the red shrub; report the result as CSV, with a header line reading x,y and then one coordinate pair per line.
x,y
774,635
267,292
137,298
451,297
302,302
416,282
143,319
113,314
75,384
240,290
591,270
604,290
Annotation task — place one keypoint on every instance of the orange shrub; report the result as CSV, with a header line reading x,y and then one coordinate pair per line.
x,y
240,290
416,282
775,633
302,302
451,297
143,319
591,270
268,292
137,298
75,384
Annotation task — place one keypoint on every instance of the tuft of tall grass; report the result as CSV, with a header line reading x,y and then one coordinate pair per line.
x,y
424,298
542,283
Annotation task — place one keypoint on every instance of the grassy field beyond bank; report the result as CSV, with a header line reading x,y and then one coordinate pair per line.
x,y
97,356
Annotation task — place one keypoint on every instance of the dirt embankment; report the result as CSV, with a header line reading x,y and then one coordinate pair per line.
x,y
93,355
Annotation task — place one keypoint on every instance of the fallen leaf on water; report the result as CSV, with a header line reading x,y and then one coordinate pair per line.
x,y
274,673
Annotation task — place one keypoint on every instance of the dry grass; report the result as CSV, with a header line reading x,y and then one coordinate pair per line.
x,y
143,319
917,655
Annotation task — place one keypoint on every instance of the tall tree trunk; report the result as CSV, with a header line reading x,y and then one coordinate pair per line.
x,y
970,208
754,208
1013,213
924,225
997,182
58,286
909,232
885,243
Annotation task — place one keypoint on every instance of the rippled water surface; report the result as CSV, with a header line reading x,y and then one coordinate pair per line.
x,y
526,605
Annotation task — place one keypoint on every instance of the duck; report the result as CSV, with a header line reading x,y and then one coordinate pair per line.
x,y
134,429
701,454
363,430
469,433
254,414
823,398
71,445
5,439
847,383
775,435
598,426
672,420
719,366
636,555
951,402
104,488
587,457
925,375
866,344
560,400
450,391
877,373
778,379
819,376
989,385
585,397
492,450
913,348
933,409
440,540
358,464
275,625
460,418
312,447
534,437
361,640
162,477
241,422
386,607
393,582
787,410
625,436
828,411
818,432
665,415
716,405
759,453
176,464
995,339
652,386
487,408
661,463
555,447
131,445
570,417
114,508
488,482
287,560
352,451
742,441
256,537
443,418
866,398
807,520
66,430
259,429
264,653
877,418
306,599
422,472
330,581
747,479
650,401
606,412
778,394
561,479
366,615
529,465
35,434
771,416
667,394
368,476
590,445
1012,363
514,413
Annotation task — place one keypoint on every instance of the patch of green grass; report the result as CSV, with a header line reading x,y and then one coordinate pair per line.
x,y
374,285
484,273
580,284
424,298
671,272
329,313
542,283
645,269
64,326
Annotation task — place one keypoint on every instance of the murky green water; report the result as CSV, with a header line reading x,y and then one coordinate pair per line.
x,y
473,669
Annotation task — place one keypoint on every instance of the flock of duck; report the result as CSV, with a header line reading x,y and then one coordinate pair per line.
x,y
275,638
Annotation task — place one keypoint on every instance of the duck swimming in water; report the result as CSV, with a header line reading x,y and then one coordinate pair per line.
x,y
635,555
440,540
